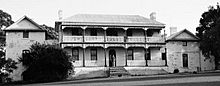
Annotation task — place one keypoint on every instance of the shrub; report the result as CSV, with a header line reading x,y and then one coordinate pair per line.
x,y
6,67
45,63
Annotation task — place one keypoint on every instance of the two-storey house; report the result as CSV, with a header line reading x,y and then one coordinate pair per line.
x,y
94,40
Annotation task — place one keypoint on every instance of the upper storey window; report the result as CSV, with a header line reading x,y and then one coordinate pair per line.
x,y
184,43
25,34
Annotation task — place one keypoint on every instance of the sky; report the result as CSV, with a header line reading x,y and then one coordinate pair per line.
x,y
183,14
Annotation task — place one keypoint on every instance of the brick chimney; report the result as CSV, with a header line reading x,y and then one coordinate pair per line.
x,y
173,30
153,16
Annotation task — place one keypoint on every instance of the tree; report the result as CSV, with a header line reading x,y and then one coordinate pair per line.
x,y
5,19
45,63
209,33
6,67
50,31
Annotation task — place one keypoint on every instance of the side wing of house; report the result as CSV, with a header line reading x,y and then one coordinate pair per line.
x,y
19,37
184,54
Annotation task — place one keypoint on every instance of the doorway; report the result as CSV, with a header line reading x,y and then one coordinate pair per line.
x,y
112,58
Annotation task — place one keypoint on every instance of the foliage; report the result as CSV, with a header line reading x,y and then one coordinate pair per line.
x,y
6,67
209,32
5,19
51,33
45,63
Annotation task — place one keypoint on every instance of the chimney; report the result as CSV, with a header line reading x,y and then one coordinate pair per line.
x,y
173,30
60,14
153,16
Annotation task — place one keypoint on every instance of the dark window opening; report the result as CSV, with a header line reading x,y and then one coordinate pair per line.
x,y
130,54
25,34
75,54
184,43
25,54
93,54
164,57
185,60
148,54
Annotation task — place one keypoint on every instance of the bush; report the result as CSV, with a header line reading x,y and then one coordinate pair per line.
x,y
6,67
176,71
45,63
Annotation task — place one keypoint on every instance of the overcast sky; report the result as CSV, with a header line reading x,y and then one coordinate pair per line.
x,y
177,13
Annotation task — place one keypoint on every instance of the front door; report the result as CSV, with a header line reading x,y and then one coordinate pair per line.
x,y
112,58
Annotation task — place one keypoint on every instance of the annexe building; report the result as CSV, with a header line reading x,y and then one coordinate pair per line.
x,y
19,37
183,53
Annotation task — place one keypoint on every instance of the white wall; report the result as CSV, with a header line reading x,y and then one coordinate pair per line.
x,y
175,49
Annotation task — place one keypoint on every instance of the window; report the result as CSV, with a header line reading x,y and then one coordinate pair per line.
x,y
164,57
184,43
130,54
25,34
93,54
93,32
185,60
75,54
25,54
148,54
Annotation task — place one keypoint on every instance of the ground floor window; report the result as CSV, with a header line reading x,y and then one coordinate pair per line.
x,y
130,54
93,52
185,60
75,53
164,57
148,54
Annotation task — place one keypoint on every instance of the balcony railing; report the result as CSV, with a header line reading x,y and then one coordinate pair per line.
x,y
94,38
114,38
155,39
136,39
72,38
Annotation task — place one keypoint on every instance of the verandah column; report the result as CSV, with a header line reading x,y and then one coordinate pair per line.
x,y
125,42
146,51
84,28
105,28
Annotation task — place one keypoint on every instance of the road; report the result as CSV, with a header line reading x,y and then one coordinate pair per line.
x,y
157,80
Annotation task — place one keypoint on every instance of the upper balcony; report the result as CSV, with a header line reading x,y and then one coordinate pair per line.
x,y
111,35
114,39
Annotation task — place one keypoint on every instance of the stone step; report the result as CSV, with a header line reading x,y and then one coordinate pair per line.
x,y
118,71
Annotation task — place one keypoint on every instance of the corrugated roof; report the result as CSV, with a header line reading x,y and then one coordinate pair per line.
x,y
173,36
121,20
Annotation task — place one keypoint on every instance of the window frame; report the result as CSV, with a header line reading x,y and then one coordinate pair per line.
x,y
25,34
185,59
132,54
164,56
75,57
93,55
184,43
148,54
